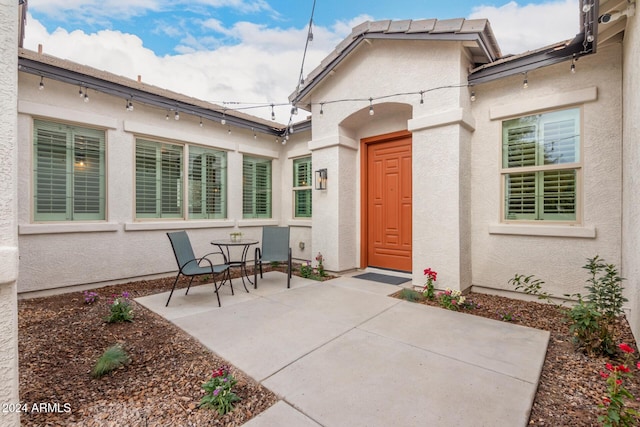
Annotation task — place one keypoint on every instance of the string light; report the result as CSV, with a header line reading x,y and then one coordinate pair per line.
x,y
130,104
371,112
86,95
473,95
224,117
201,124
525,83
176,115
573,66
167,116
41,85
80,93
322,108
421,97
273,114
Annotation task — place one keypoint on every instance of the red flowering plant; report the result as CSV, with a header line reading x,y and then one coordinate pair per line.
x,y
617,413
218,393
429,290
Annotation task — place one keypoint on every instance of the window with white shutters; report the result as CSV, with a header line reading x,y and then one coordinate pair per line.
x,y
256,187
541,166
302,176
69,173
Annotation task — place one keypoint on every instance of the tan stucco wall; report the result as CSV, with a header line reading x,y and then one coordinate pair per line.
x,y
122,248
631,177
8,211
501,250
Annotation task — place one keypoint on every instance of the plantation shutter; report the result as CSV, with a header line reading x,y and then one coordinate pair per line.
x,y
520,188
256,194
69,174
158,180
207,183
88,176
560,136
302,176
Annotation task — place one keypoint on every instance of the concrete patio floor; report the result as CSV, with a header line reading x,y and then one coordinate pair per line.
x,y
344,353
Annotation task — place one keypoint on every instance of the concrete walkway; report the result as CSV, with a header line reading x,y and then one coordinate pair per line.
x,y
343,353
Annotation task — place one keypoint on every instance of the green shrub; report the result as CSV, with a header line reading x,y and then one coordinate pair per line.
x,y
530,285
112,358
593,318
410,295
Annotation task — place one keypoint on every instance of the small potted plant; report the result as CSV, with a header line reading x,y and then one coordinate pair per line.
x,y
236,236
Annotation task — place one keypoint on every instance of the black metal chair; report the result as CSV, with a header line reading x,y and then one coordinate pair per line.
x,y
190,266
275,248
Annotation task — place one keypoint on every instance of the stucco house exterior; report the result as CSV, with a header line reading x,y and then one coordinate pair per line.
x,y
436,156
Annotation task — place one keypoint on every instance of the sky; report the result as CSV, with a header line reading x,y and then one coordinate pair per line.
x,y
248,53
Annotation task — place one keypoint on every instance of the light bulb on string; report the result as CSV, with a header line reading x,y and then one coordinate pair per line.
x,y
167,116
201,124
176,115
371,112
525,83
86,95
41,85
473,95
273,114
224,117
80,93
322,108
421,97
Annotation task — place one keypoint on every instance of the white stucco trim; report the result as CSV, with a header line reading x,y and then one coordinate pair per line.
x,y
543,230
51,112
456,116
256,151
85,227
300,223
298,153
9,265
177,134
176,225
257,222
334,141
525,106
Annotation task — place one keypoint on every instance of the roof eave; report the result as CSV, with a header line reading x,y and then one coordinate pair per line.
x,y
299,98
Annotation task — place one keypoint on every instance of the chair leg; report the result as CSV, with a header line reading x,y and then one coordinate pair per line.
x,y
172,288
230,282
188,287
215,289
255,274
289,270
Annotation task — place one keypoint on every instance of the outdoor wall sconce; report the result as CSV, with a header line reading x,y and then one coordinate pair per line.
x,y
321,179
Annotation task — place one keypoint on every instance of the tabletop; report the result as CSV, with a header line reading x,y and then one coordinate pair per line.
x,y
229,242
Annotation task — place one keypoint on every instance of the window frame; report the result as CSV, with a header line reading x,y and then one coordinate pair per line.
x,y
536,172
81,144
302,189
253,212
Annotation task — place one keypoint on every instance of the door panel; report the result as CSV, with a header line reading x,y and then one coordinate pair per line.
x,y
388,200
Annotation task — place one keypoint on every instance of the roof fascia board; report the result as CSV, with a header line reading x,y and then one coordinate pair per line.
x,y
76,78
529,62
475,37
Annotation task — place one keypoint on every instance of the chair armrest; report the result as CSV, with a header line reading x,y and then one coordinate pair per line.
x,y
206,257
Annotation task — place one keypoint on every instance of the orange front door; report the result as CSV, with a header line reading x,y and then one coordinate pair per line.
x,y
388,202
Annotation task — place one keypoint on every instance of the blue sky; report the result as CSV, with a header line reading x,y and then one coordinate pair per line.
x,y
251,50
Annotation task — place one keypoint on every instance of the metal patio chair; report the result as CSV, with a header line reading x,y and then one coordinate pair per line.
x,y
190,266
275,248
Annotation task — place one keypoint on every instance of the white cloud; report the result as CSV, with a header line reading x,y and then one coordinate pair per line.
x,y
263,66
519,28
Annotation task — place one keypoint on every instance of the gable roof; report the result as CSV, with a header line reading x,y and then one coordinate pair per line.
x,y
54,68
476,33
